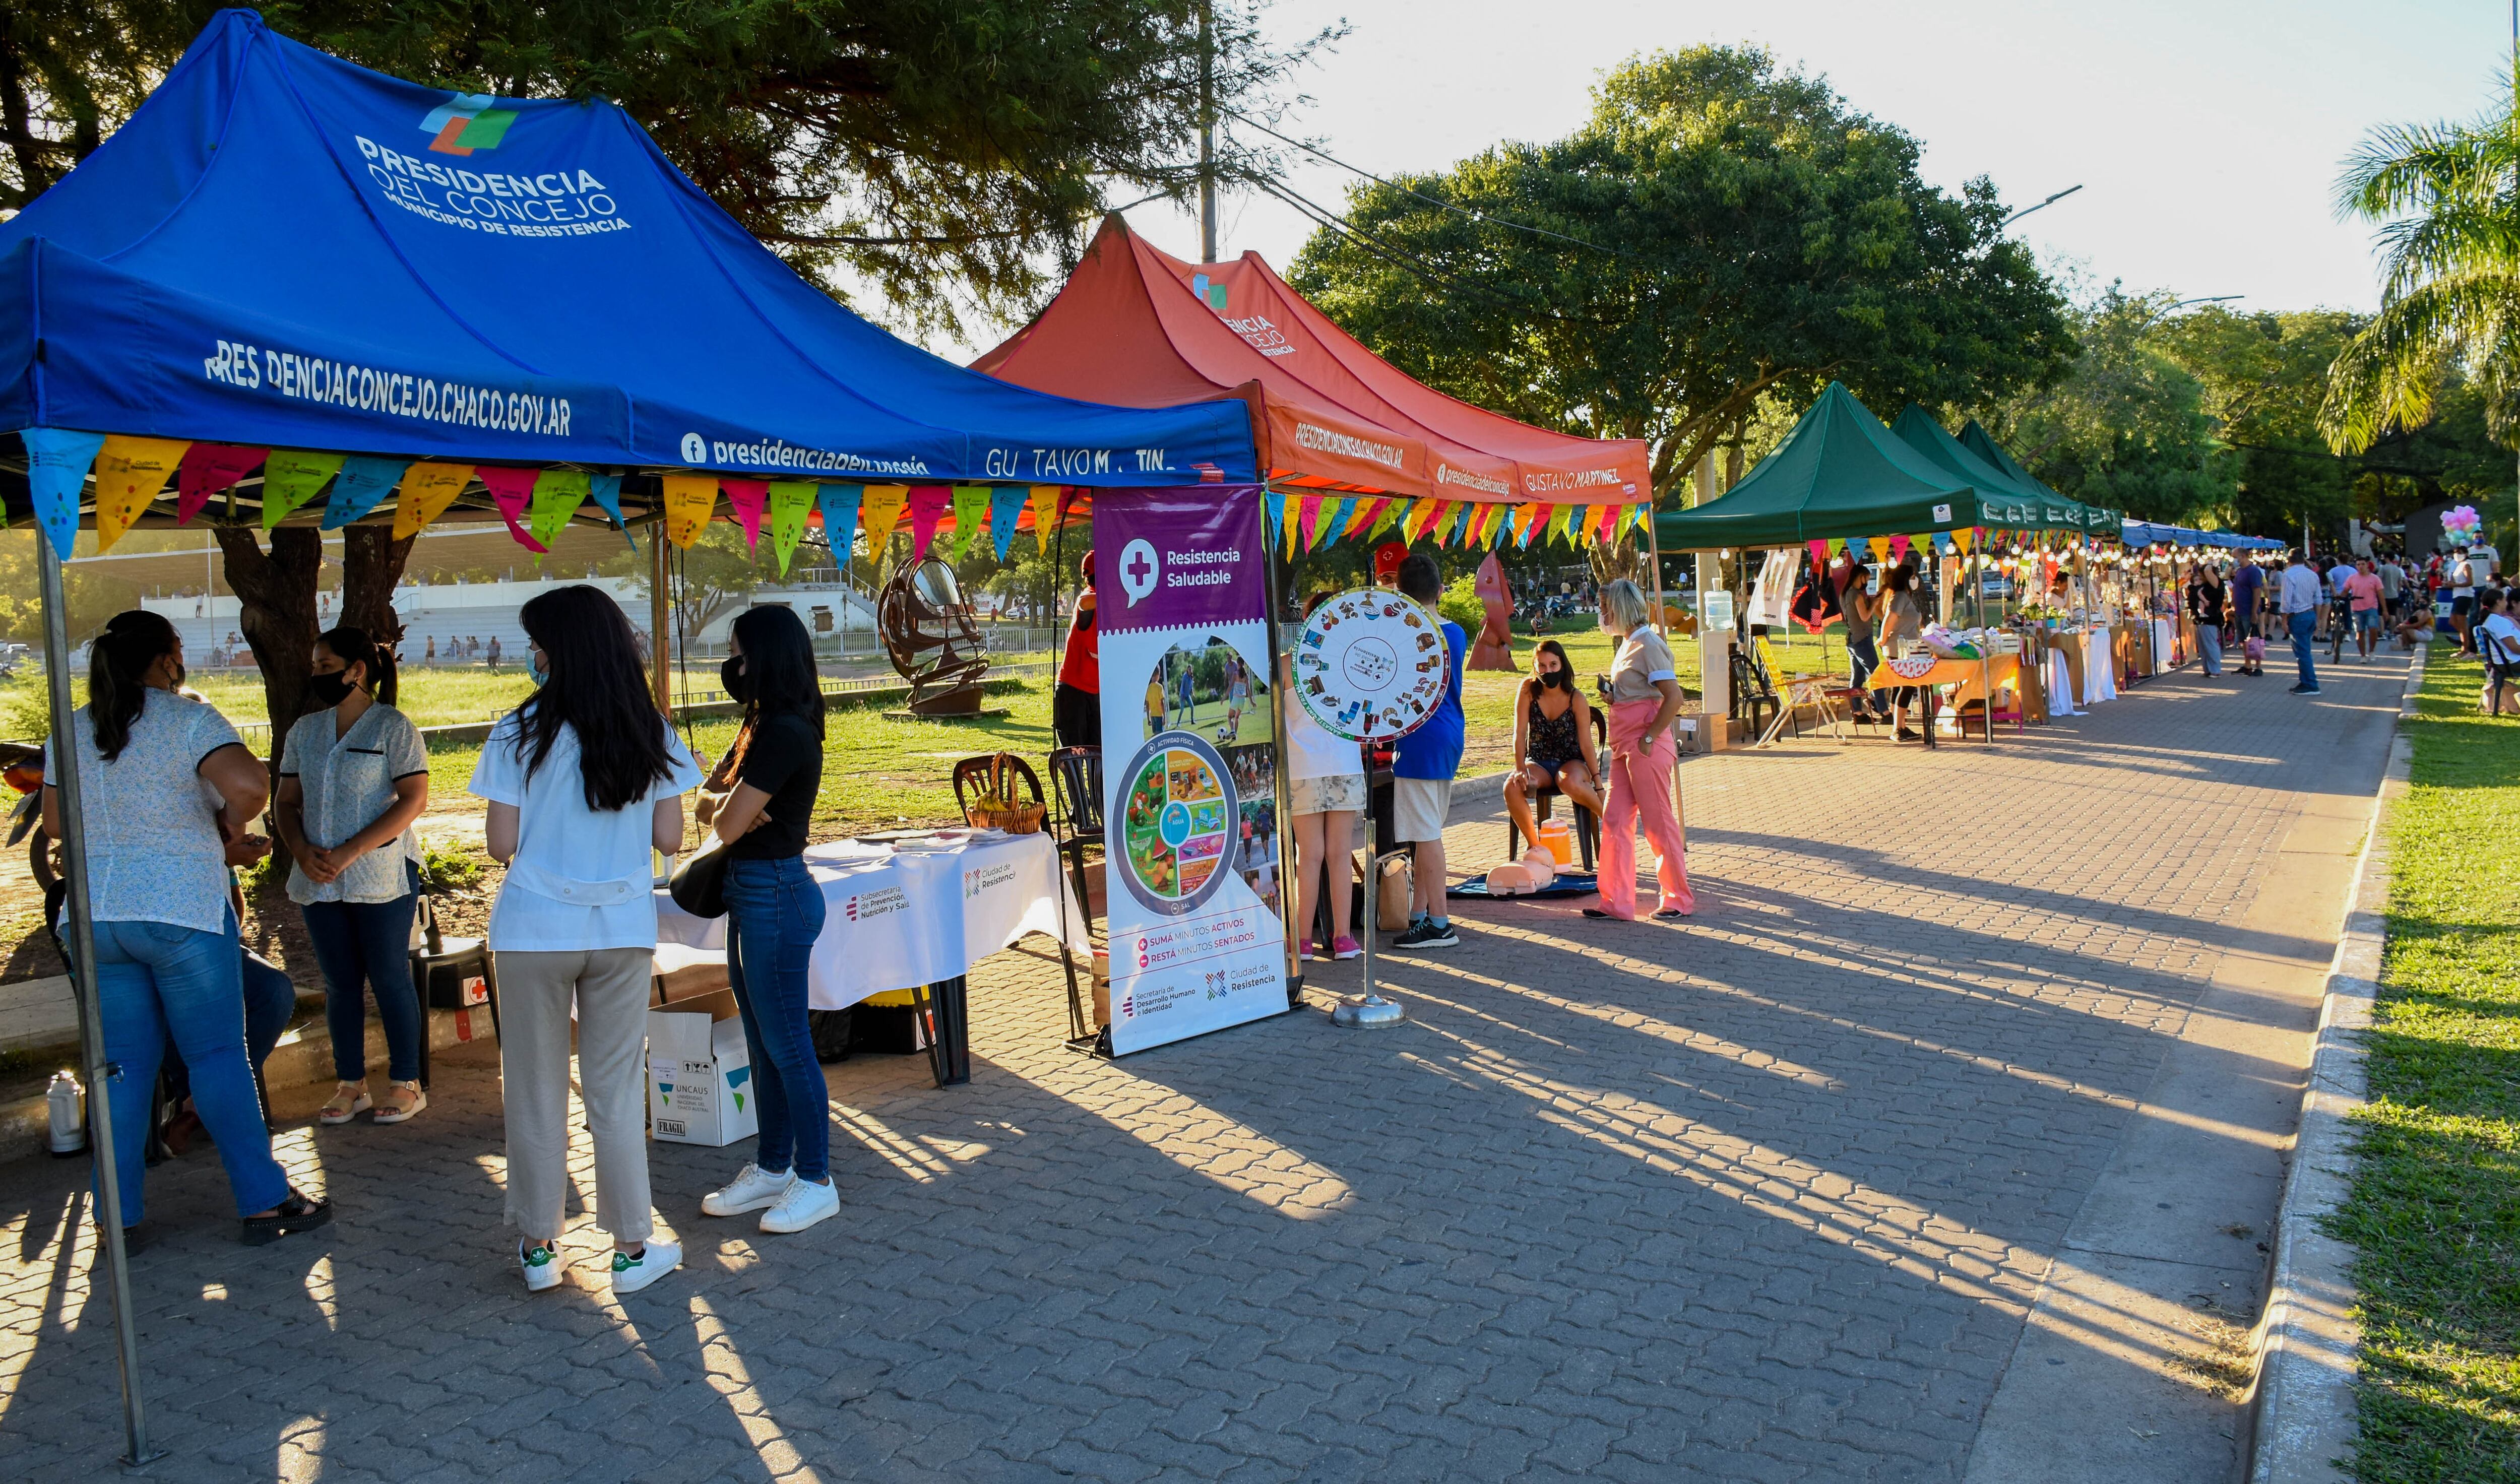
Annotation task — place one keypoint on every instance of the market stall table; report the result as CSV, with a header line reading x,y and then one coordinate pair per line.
x,y
915,912
1969,678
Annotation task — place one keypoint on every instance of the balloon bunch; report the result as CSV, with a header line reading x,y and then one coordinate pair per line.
x,y
2463,526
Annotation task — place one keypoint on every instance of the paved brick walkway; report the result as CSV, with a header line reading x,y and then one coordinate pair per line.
x,y
1764,1196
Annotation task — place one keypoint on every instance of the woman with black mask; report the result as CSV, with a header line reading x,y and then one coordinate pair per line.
x,y
1552,739
774,913
353,779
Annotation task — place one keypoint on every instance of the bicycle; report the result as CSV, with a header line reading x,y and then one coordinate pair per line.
x,y
2340,618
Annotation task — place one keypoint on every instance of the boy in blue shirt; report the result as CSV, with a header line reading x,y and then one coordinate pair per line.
x,y
1423,766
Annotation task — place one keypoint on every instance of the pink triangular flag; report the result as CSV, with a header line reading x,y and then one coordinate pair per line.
x,y
207,469
1898,549
1820,552
747,497
927,503
510,489
1308,515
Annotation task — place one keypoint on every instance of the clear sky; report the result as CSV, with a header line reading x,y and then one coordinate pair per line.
x,y
2206,134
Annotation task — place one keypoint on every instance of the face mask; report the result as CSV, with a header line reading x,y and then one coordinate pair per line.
x,y
333,689
534,667
1556,677
732,679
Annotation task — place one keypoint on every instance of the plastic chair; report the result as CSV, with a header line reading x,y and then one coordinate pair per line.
x,y
1076,821
1544,801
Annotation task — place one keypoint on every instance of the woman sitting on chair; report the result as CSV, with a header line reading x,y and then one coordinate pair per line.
x,y
1552,739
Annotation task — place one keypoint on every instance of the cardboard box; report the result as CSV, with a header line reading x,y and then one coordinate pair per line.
x,y
700,1072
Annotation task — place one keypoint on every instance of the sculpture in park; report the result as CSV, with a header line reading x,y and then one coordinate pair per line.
x,y
1492,649
930,638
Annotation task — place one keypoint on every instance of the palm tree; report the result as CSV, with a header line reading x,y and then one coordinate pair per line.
x,y
2447,198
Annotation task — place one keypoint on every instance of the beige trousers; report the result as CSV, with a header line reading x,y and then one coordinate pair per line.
x,y
610,986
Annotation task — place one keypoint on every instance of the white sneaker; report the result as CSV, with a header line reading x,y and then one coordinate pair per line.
x,y
804,1203
752,1189
632,1274
541,1263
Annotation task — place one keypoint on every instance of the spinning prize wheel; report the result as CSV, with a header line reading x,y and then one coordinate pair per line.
x,y
1371,666
1178,822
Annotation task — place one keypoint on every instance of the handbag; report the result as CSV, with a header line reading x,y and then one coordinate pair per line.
x,y
699,882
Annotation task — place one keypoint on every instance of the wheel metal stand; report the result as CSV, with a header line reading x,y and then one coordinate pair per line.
x,y
1369,1010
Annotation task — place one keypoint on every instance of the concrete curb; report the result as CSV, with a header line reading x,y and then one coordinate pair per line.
x,y
2305,1421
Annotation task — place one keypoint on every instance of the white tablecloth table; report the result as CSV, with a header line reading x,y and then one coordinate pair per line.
x,y
916,914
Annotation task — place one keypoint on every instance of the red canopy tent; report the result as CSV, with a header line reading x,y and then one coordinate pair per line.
x,y
1138,328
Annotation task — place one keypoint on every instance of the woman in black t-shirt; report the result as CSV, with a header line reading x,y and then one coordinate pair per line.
x,y
774,914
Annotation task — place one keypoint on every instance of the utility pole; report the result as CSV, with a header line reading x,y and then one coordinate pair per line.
x,y
1207,132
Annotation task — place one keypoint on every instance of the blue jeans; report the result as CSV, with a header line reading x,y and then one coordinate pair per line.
x,y
774,913
2209,643
270,999
1861,660
362,945
154,981
2303,624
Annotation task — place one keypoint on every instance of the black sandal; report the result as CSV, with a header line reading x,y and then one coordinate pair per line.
x,y
298,1213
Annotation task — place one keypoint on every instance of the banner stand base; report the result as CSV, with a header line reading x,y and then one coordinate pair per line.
x,y
1371,1012
1097,1044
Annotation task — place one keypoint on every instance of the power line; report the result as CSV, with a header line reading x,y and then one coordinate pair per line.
x,y
1432,201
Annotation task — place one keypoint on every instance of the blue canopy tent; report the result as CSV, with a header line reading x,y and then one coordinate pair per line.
x,y
2150,533
281,250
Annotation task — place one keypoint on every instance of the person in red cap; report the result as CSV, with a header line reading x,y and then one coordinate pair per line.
x,y
1076,703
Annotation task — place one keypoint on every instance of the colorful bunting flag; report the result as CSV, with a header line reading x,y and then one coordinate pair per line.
x,y
1964,538
927,503
290,479
426,490
130,474
57,464
360,487
1045,513
747,497
971,514
1333,522
689,500
839,504
607,490
1860,548
1006,507
557,493
1560,523
790,500
879,512
209,469
1897,548
1818,552
510,489
1308,514
1836,547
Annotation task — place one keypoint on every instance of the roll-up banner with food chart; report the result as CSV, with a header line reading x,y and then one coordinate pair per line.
x,y
1190,762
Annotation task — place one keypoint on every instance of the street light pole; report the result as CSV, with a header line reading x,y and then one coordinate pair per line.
x,y
2050,201
1206,133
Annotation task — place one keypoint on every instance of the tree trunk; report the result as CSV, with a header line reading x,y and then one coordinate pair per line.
x,y
275,614
372,562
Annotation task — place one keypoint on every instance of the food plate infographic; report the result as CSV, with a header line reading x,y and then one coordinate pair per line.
x,y
1180,824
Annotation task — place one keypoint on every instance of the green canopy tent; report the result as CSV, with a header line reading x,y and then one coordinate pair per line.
x,y
1917,429
1977,440
1842,474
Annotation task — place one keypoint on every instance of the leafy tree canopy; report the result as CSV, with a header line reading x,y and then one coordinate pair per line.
x,y
2213,417
944,153
1719,231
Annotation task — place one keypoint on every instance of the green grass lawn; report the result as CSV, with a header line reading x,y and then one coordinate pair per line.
x,y
2434,1209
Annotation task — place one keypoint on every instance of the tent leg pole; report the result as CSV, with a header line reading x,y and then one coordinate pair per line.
x,y
658,607
1278,699
100,1111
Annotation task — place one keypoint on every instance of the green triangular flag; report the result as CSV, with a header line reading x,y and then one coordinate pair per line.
x,y
789,500
290,479
970,517
557,493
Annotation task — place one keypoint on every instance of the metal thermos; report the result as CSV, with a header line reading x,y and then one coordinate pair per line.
x,y
66,1109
